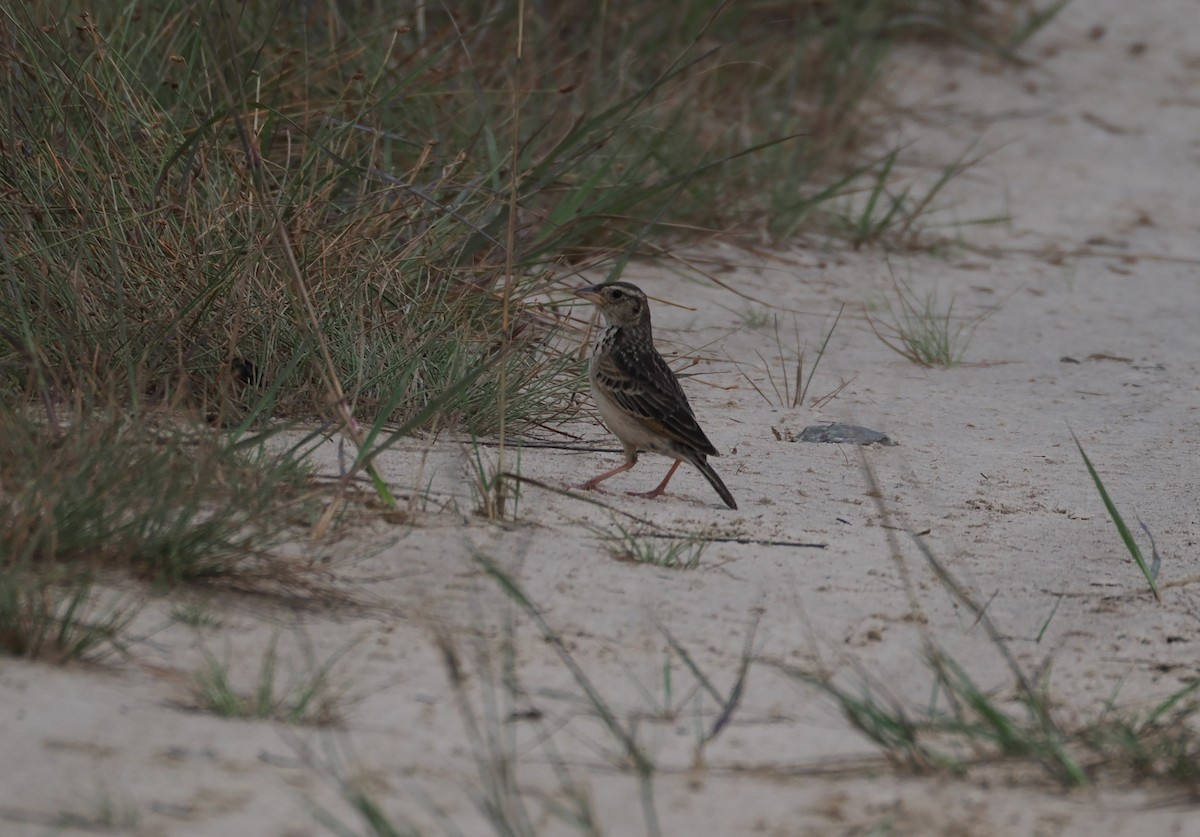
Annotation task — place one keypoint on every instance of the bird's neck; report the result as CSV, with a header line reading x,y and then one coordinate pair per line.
x,y
607,338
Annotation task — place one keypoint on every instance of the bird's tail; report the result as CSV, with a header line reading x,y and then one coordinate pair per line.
x,y
701,463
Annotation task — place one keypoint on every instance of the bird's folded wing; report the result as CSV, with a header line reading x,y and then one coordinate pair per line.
x,y
645,387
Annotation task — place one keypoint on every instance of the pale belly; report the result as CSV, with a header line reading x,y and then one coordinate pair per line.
x,y
631,431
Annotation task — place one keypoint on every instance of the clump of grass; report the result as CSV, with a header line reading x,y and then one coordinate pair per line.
x,y
879,212
890,211
968,725
924,331
1162,743
196,612
795,383
311,697
171,503
427,186
106,810
108,490
755,318
625,543
50,616
964,724
497,493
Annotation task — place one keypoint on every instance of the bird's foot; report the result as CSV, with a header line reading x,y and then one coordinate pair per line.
x,y
649,495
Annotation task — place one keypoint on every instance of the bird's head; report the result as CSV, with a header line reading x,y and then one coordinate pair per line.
x,y
621,303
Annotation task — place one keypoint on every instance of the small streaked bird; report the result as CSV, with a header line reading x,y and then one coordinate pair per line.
x,y
638,395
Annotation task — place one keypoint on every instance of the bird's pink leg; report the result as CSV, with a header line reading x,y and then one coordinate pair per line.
x,y
662,486
594,483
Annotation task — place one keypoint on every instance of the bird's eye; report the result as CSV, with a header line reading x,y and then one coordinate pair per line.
x,y
616,293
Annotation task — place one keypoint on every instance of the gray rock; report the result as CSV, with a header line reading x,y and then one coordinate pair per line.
x,y
843,434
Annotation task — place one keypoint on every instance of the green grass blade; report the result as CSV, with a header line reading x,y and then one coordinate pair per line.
x,y
1118,521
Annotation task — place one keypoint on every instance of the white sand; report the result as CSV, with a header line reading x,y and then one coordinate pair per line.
x,y
1094,155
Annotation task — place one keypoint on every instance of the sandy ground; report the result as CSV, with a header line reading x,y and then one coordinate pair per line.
x,y
1094,285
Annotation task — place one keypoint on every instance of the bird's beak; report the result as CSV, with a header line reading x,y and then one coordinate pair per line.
x,y
591,294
